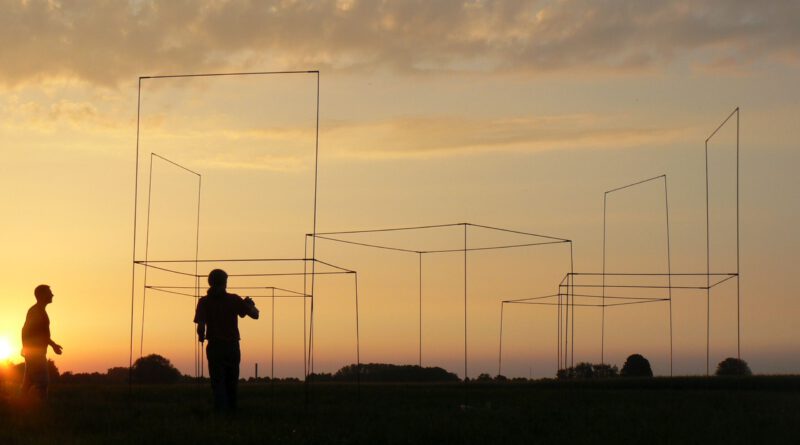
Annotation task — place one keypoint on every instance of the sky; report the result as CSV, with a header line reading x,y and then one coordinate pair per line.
x,y
513,114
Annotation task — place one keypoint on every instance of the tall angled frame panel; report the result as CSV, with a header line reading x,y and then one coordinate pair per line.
x,y
135,262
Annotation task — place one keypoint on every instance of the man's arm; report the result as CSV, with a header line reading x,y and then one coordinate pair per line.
x,y
200,319
56,347
250,308
201,331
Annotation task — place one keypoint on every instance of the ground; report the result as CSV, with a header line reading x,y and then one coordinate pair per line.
x,y
681,410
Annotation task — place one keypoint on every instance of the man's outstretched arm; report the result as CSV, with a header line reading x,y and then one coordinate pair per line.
x,y
250,308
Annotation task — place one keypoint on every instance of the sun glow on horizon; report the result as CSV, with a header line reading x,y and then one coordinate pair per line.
x,y
5,349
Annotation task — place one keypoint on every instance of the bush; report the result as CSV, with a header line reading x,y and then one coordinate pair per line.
x,y
733,367
383,372
585,371
636,366
320,377
603,371
484,378
154,369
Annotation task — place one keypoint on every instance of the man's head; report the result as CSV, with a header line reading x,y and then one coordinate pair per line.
x,y
217,278
43,294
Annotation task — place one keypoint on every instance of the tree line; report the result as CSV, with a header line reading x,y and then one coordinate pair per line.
x,y
156,369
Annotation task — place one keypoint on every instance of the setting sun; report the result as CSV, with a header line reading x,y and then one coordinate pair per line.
x,y
5,349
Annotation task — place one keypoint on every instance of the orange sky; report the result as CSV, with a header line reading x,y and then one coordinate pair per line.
x,y
510,114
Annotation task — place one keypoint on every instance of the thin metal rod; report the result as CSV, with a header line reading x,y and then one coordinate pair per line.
x,y
735,111
271,288
603,315
393,229
146,252
572,297
291,297
610,297
233,260
340,269
518,232
635,184
254,73
725,278
400,249
197,256
559,323
538,303
420,309
166,291
436,226
313,239
272,348
628,303
374,246
676,274
708,269
738,276
500,349
669,272
286,274
173,163
509,246
628,286
135,209
643,299
299,294
277,274
305,317
566,330
358,341
531,298
466,375
147,245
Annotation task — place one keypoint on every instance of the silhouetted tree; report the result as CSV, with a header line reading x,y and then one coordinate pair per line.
x,y
117,374
500,378
484,378
733,367
603,371
52,369
154,369
15,373
383,372
94,378
320,377
583,370
636,366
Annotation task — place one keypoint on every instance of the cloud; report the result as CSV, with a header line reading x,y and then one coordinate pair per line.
x,y
291,148
34,115
429,136
108,41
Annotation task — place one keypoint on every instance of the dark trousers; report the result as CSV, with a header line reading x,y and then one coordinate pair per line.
x,y
223,369
36,378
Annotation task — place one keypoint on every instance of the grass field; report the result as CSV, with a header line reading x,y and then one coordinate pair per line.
x,y
679,410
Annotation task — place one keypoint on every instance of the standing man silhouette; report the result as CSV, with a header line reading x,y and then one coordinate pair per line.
x,y
35,340
216,318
